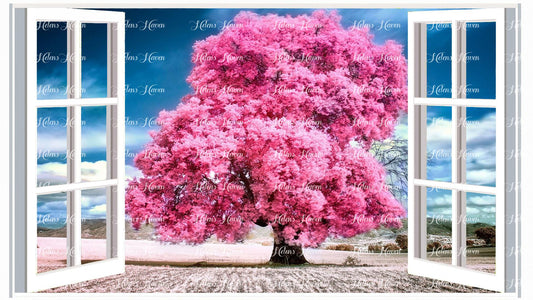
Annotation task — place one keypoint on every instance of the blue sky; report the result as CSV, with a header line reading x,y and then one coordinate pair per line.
x,y
158,60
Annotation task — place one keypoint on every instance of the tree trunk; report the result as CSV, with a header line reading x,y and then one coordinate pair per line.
x,y
286,254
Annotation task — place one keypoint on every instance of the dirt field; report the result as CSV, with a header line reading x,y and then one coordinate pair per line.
x,y
308,279
210,268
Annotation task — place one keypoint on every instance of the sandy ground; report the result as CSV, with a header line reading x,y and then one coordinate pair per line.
x,y
155,267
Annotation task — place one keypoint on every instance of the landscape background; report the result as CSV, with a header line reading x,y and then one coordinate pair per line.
x,y
158,60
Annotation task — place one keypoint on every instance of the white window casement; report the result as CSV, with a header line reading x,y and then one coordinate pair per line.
x,y
504,190
27,279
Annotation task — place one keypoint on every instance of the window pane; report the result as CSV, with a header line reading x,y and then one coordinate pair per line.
x,y
93,225
94,60
52,60
439,143
93,143
439,63
480,60
481,232
481,146
51,146
439,225
51,232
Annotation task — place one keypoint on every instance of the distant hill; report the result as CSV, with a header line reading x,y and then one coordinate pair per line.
x,y
445,228
384,234
96,229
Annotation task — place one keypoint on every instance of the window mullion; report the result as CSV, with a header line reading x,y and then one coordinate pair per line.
x,y
111,141
458,143
74,144
420,135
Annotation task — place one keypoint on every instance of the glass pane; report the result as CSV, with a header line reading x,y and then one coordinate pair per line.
x,y
481,232
439,225
51,146
52,60
480,60
93,143
93,225
481,146
439,62
51,232
94,60
439,143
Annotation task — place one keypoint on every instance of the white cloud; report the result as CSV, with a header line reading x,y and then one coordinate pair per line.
x,y
480,155
439,134
93,138
481,200
92,87
479,207
481,177
56,173
97,197
51,173
93,171
401,131
489,210
472,210
54,140
97,211
93,201
440,201
51,86
132,171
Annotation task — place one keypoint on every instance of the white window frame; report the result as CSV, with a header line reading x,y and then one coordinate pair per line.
x,y
26,105
17,170
505,190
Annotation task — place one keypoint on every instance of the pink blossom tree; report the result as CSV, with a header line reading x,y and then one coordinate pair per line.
x,y
277,132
